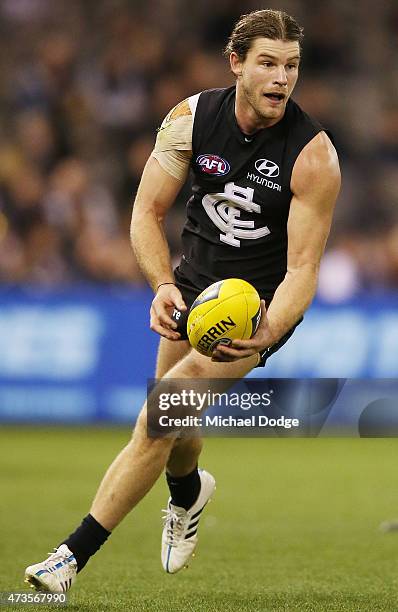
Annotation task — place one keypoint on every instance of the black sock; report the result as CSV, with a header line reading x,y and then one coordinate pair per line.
x,y
86,540
184,490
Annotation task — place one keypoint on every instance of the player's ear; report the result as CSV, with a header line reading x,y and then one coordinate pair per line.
x,y
236,64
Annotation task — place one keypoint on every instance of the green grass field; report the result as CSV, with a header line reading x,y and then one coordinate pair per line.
x,y
293,524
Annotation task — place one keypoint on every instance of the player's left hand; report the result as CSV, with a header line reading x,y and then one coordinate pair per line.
x,y
238,349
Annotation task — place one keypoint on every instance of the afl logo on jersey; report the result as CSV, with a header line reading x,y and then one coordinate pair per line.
x,y
213,164
267,168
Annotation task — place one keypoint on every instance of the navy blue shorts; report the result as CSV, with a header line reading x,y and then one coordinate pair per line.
x,y
190,294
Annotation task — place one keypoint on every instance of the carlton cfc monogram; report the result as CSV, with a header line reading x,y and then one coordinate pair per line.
x,y
224,210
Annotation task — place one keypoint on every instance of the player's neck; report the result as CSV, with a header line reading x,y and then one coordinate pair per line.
x,y
248,120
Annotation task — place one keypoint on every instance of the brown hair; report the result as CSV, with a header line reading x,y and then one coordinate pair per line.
x,y
267,23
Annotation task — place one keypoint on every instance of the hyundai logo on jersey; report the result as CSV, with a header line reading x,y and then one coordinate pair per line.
x,y
213,164
267,168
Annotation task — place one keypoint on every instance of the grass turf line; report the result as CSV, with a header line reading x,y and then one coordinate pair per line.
x,y
293,524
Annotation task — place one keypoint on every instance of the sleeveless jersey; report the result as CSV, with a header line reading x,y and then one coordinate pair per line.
x,y
237,215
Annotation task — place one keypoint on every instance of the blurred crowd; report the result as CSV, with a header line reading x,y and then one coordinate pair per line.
x,y
85,84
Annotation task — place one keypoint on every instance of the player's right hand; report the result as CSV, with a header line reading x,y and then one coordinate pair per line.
x,y
166,299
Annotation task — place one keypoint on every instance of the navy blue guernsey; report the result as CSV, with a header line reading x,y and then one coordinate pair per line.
x,y
237,215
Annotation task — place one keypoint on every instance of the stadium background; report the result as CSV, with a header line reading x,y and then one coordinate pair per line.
x,y
83,87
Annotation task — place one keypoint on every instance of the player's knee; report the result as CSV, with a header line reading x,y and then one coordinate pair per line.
x,y
188,445
142,426
148,432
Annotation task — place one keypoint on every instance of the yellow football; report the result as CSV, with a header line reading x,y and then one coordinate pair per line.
x,y
225,311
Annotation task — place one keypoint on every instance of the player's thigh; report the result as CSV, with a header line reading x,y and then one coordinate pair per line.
x,y
216,377
194,365
169,353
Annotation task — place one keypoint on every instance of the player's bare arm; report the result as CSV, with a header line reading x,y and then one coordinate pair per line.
x,y
156,194
315,186
162,179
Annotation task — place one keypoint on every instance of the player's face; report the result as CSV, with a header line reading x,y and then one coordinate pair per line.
x,y
266,78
